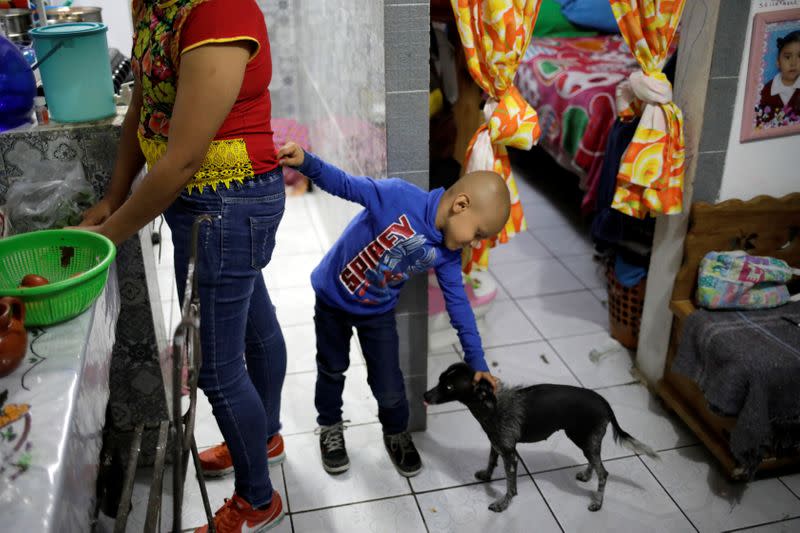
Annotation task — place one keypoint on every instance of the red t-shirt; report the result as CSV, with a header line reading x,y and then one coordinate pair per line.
x,y
163,31
217,21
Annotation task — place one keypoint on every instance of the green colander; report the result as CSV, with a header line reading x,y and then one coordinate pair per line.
x,y
75,263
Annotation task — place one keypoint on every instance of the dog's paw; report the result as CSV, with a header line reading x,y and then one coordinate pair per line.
x,y
483,475
583,476
595,505
500,505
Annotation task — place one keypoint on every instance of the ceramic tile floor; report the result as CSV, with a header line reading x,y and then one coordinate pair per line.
x,y
549,315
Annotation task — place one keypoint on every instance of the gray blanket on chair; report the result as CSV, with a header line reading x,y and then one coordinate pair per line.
x,y
747,363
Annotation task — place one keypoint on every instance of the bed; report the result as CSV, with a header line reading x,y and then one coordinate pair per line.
x,y
571,82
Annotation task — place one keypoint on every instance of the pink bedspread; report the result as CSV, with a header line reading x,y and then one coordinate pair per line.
x,y
571,82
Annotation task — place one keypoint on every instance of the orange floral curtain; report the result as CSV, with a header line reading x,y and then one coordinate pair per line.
x,y
495,34
650,179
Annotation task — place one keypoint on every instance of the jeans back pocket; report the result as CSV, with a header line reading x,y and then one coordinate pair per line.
x,y
262,239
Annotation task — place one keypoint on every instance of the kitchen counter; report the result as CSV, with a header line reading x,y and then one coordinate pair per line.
x,y
51,423
136,385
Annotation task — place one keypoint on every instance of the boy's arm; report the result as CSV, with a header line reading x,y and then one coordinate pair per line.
x,y
359,189
461,316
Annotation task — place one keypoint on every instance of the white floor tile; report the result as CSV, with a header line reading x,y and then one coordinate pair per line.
x,y
194,514
453,448
465,509
564,240
793,482
535,277
602,295
784,526
528,364
206,430
436,365
640,414
298,413
713,503
585,268
294,306
293,240
548,215
371,473
301,349
290,271
633,500
612,368
566,315
520,248
506,324
528,193
395,515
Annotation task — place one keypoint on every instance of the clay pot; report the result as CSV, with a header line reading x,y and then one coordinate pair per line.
x,y
13,337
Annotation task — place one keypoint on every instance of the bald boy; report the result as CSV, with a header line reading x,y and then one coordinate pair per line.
x,y
402,231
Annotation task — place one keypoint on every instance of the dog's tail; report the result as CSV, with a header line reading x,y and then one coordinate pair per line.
x,y
624,438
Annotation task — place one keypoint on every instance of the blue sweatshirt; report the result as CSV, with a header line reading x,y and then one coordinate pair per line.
x,y
392,239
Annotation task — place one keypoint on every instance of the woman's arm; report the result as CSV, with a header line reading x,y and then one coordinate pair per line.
x,y
129,163
210,78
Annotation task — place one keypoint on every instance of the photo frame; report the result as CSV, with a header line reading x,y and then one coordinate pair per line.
x,y
772,91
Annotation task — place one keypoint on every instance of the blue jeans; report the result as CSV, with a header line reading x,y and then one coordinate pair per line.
x,y
380,344
244,354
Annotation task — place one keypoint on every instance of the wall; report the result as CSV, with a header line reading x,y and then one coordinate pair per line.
x,y
356,73
711,78
692,85
765,166
117,16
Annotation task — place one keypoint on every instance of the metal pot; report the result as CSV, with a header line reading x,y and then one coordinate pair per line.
x,y
74,14
16,23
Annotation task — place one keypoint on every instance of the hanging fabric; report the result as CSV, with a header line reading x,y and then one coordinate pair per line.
x,y
495,35
650,179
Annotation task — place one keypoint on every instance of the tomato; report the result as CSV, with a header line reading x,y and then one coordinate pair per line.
x,y
32,280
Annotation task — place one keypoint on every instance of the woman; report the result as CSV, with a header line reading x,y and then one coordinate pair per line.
x,y
200,119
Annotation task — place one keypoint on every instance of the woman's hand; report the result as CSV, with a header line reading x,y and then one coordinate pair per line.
x,y
488,377
291,155
98,213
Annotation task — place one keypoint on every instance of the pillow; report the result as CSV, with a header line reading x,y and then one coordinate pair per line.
x,y
595,14
552,23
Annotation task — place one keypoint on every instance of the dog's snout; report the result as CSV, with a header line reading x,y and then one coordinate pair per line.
x,y
429,397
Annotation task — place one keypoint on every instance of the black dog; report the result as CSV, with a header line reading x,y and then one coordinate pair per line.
x,y
532,414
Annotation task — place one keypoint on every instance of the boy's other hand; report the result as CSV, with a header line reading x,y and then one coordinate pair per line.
x,y
291,155
488,377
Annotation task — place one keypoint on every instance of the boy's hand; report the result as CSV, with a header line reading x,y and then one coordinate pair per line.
x,y
488,377
291,155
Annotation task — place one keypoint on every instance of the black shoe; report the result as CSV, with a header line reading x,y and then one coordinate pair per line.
x,y
332,449
403,453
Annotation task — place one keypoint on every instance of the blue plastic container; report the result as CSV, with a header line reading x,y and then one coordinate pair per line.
x,y
17,87
76,71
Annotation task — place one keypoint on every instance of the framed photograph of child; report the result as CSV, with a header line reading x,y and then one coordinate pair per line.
x,y
772,93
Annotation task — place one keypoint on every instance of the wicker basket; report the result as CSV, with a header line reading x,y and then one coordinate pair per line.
x,y
625,307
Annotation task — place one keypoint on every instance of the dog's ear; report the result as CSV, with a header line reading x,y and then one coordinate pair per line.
x,y
485,394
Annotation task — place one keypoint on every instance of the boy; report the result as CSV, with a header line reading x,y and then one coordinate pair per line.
x,y
402,231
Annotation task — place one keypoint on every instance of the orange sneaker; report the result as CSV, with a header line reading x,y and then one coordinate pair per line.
x,y
216,461
238,516
275,452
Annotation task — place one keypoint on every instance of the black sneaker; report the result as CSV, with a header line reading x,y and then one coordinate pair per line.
x,y
332,450
403,453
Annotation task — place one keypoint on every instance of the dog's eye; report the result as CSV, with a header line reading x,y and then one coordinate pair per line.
x,y
449,387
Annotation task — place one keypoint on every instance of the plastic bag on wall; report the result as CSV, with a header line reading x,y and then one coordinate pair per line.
x,y
51,194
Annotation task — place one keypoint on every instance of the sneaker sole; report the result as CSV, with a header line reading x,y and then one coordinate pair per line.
x,y
336,469
273,524
277,459
406,473
218,473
